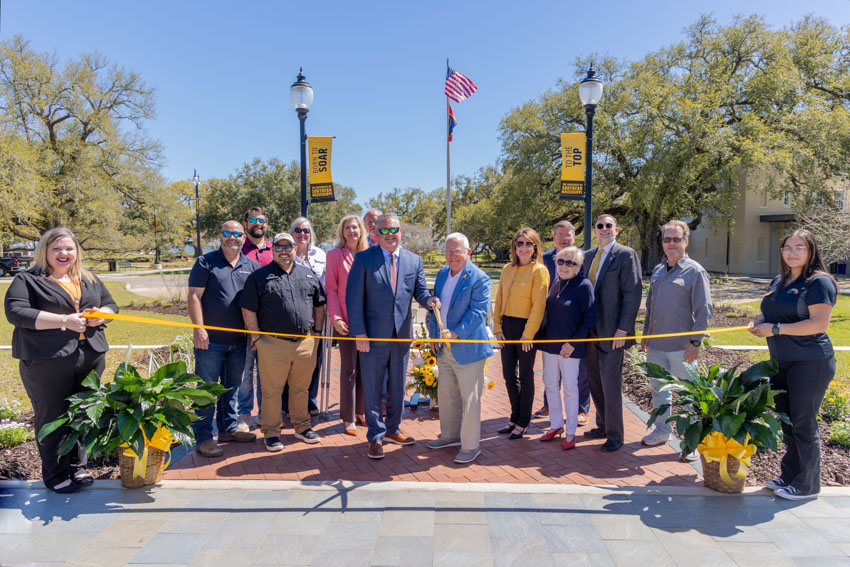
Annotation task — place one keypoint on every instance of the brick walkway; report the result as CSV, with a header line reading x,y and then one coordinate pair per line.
x,y
527,460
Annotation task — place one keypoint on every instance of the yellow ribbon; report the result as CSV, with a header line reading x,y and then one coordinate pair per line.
x,y
716,447
161,440
166,323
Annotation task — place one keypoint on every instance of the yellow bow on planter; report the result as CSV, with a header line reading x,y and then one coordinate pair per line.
x,y
161,440
716,447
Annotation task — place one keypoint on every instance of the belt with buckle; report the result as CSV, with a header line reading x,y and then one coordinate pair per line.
x,y
290,339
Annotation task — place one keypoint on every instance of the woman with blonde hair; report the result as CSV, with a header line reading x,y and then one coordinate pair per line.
x,y
351,239
57,345
517,315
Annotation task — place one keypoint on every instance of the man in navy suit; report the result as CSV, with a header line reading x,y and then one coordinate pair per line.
x,y
381,283
614,271
463,291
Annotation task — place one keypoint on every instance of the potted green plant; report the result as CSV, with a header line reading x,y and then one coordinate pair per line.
x,y
722,414
141,416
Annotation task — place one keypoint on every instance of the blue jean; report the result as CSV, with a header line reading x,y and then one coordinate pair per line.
x,y
247,388
219,363
674,363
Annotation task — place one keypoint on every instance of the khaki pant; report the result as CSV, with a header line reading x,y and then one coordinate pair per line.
x,y
459,392
283,362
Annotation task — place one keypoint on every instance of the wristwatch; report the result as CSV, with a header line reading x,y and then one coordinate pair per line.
x,y
696,343
777,330
317,331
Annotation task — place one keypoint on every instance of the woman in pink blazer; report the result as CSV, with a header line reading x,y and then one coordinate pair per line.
x,y
351,239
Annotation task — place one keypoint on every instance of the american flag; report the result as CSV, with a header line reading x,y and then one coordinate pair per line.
x,y
458,85
452,121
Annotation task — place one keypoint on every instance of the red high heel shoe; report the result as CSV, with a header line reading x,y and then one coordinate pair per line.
x,y
569,444
552,434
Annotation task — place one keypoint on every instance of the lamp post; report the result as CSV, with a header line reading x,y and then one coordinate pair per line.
x,y
197,181
590,92
157,263
301,94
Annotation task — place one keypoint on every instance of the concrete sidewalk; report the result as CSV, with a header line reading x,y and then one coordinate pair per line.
x,y
398,523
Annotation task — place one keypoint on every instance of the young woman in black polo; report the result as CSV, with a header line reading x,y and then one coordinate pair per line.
x,y
794,318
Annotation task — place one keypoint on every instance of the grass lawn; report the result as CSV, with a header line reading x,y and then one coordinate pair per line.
x,y
839,333
118,333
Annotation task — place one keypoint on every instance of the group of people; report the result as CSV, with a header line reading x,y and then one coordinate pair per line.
x,y
280,290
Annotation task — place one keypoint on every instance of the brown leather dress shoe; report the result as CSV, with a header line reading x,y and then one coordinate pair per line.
x,y
399,438
376,451
582,418
542,412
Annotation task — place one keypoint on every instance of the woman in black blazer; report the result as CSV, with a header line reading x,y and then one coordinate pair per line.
x,y
57,346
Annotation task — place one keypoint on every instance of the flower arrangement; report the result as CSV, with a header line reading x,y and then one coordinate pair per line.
x,y
423,377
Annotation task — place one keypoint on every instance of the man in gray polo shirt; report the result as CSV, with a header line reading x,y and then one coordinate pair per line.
x,y
679,300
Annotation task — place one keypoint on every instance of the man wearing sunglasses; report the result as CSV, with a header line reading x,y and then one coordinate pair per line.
x,y
286,298
382,281
614,271
678,301
216,283
258,248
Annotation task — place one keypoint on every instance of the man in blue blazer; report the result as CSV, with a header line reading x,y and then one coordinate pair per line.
x,y
381,283
463,293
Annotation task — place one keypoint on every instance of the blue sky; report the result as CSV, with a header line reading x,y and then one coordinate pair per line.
x,y
222,70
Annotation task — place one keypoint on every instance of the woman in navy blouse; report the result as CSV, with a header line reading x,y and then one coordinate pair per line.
x,y
794,319
570,314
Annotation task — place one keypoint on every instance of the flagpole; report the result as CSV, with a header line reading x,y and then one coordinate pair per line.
x,y
448,168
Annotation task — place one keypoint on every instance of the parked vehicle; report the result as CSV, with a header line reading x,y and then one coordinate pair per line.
x,y
13,264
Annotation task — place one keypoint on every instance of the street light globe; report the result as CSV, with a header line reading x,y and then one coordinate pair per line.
x,y
301,93
590,89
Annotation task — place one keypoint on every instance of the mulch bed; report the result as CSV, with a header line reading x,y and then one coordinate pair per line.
x,y
23,463
835,459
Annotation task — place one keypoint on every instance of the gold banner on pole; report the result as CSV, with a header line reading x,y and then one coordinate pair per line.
x,y
572,166
321,184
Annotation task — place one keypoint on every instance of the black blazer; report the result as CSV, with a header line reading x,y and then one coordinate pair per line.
x,y
617,291
31,292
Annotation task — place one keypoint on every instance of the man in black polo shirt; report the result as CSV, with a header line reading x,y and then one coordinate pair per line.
x,y
215,284
284,297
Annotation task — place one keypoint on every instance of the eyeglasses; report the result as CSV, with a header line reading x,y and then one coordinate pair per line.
x,y
458,252
669,239
797,249
282,247
602,225
257,220
568,263
233,233
526,243
385,231
300,230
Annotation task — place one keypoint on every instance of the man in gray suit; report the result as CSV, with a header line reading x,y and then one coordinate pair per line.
x,y
614,270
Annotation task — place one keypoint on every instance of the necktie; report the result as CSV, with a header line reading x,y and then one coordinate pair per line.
x,y
393,272
594,266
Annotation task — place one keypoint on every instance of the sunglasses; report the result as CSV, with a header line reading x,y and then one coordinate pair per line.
x,y
669,239
301,230
257,220
602,225
385,231
568,263
282,247
526,243
233,233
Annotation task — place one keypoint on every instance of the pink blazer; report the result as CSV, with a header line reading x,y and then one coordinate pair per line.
x,y
339,262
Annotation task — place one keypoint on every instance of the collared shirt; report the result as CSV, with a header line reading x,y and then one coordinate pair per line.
x,y
678,300
316,261
263,256
283,301
446,295
223,284
387,255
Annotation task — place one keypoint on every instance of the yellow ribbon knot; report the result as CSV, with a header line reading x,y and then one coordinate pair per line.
x,y
716,447
162,440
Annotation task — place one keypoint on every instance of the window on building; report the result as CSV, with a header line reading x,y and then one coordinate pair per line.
x,y
761,252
